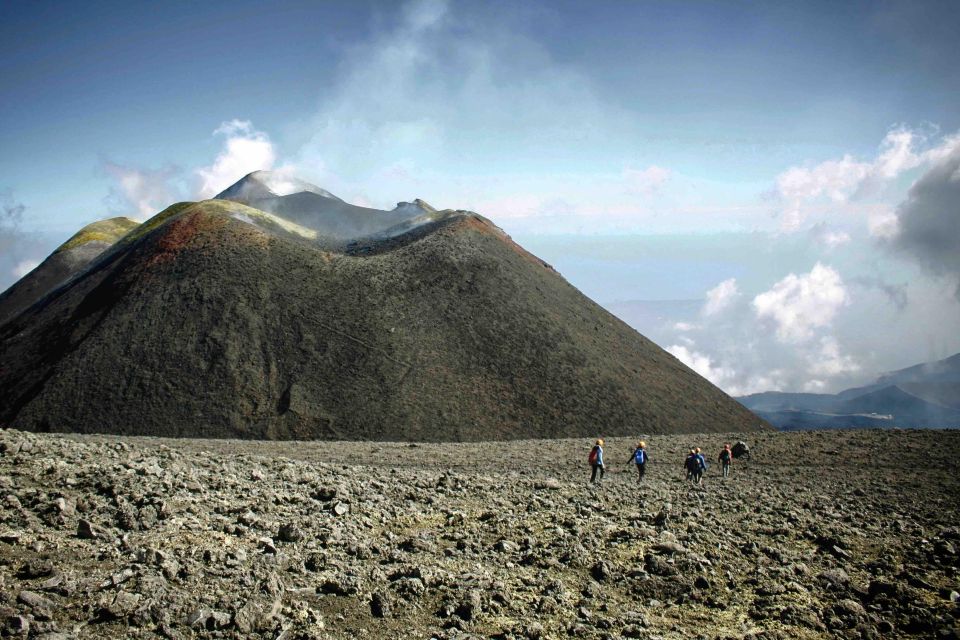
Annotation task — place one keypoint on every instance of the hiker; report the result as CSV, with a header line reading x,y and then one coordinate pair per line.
x,y
639,457
691,464
596,461
701,465
726,459
695,465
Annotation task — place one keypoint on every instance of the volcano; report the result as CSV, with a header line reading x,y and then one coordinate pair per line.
x,y
278,311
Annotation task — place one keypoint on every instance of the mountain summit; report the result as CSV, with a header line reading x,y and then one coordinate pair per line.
x,y
334,220
310,318
264,185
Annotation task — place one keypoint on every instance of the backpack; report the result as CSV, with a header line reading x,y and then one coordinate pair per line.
x,y
725,455
640,456
592,458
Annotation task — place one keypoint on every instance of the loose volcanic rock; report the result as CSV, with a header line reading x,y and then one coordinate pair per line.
x,y
289,533
86,530
446,541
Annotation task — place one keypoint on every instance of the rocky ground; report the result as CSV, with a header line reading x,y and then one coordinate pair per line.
x,y
833,534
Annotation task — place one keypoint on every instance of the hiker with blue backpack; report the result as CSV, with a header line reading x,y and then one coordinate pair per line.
x,y
703,465
639,457
695,465
596,461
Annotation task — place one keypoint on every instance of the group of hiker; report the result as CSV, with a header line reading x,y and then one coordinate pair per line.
x,y
695,464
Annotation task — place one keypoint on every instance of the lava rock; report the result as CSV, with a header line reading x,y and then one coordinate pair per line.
x,y
86,530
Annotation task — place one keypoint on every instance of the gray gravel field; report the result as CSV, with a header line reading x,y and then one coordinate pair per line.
x,y
846,534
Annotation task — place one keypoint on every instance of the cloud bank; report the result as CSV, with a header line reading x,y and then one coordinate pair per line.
x,y
721,297
430,104
928,221
782,338
800,304
140,193
20,251
845,180
812,330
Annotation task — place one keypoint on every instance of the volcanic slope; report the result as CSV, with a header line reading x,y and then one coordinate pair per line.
x,y
218,320
66,261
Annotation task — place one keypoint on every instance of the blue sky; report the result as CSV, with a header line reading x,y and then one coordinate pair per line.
x,y
761,158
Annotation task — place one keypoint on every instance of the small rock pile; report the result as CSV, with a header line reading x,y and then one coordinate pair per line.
x,y
832,534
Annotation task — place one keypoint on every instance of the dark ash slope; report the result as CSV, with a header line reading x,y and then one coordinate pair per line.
x,y
205,325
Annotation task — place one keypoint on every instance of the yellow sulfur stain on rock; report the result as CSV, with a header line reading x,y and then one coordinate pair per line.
x,y
108,231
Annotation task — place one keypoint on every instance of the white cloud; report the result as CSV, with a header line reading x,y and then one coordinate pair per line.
x,y
759,383
834,239
897,154
245,150
949,146
830,238
829,362
720,297
424,14
479,115
701,364
834,179
24,267
20,251
685,326
140,193
839,181
646,181
928,221
800,304
883,224
731,381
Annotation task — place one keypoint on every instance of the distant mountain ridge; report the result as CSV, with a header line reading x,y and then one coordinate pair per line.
x,y
924,395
